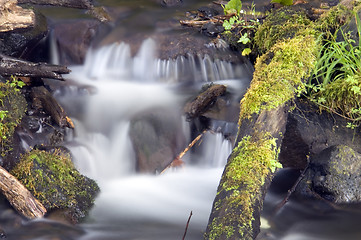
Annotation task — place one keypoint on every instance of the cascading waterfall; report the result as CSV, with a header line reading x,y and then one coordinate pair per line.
x,y
115,61
117,87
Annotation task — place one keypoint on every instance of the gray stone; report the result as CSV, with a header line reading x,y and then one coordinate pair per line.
x,y
157,139
334,174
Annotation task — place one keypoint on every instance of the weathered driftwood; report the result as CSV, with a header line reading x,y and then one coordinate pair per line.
x,y
42,99
204,100
195,23
13,66
14,17
83,4
20,197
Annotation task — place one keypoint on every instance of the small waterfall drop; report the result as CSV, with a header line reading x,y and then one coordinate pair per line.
x,y
117,87
115,61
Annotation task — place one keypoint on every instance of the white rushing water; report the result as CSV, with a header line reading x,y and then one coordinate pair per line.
x,y
116,88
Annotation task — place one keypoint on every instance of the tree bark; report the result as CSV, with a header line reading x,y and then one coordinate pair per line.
x,y
82,4
20,197
13,66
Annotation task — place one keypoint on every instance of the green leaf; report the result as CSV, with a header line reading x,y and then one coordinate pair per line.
x,y
227,25
233,7
3,114
283,2
244,39
246,51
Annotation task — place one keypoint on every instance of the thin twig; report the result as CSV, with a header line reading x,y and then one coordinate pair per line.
x,y
290,191
177,161
185,231
341,115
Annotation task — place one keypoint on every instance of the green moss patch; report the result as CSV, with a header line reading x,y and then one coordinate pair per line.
x,y
12,109
279,74
251,162
281,25
334,18
53,180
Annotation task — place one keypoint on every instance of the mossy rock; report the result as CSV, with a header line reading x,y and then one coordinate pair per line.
x,y
53,180
12,106
281,25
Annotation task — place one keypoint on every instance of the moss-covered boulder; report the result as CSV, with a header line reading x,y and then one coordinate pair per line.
x,y
53,180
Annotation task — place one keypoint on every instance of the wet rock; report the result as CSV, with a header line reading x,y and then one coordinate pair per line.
x,y
208,12
204,101
21,42
171,3
308,132
73,39
157,139
212,29
334,174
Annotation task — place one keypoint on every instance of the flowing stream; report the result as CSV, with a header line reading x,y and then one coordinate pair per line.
x,y
116,87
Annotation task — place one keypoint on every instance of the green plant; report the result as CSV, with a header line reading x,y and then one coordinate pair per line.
x,y
283,2
336,85
12,108
240,23
232,7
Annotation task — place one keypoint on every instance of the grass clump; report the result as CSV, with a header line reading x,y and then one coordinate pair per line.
x,y
336,85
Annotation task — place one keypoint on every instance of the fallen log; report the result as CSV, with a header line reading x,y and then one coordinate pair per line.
x,y
13,66
42,99
14,17
82,4
20,197
203,101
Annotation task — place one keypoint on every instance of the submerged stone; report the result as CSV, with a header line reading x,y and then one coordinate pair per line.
x,y
157,138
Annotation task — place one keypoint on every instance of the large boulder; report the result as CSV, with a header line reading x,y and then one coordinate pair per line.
x,y
309,132
73,39
334,175
157,138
